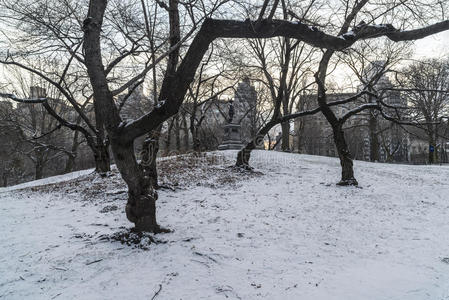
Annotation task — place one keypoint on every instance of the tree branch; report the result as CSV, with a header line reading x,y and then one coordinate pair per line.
x,y
173,91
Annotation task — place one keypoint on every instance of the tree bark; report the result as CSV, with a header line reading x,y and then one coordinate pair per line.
x,y
431,155
169,133
70,162
347,171
102,158
244,155
5,179
38,170
374,142
177,133
194,131
150,148
285,136
141,206
300,134
186,133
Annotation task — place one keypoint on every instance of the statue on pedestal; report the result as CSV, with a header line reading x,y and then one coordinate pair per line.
x,y
232,138
231,112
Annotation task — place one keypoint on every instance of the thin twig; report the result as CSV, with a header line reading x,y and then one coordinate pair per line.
x,y
157,293
95,261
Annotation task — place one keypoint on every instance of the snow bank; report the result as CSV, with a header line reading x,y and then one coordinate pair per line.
x,y
48,180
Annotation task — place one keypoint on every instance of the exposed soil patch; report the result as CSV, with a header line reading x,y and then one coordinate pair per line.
x,y
129,237
211,170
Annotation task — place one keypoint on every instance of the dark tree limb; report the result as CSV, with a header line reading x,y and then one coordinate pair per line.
x,y
52,112
63,91
213,29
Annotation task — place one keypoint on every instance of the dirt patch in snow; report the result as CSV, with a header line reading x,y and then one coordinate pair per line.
x,y
132,238
201,169
211,170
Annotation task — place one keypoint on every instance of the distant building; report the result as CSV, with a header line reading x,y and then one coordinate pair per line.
x,y
37,92
136,105
245,102
313,135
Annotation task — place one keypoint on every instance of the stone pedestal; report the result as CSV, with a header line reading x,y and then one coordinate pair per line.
x,y
232,138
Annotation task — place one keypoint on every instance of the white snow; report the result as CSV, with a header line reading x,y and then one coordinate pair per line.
x,y
288,234
48,180
349,34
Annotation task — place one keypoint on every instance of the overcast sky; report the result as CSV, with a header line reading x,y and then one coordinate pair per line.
x,y
436,45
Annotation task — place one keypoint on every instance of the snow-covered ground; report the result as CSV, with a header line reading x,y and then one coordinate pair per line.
x,y
290,233
48,180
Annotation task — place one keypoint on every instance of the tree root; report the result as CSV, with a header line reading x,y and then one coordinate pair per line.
x,y
348,182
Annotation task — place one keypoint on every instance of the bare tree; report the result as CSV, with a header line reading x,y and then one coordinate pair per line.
x,y
44,42
35,138
426,85
141,207
212,81
371,62
200,29
52,31
294,61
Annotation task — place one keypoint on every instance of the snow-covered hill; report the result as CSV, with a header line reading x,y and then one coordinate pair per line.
x,y
288,233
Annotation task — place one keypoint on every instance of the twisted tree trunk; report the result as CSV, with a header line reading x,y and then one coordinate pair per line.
x,y
141,206
347,171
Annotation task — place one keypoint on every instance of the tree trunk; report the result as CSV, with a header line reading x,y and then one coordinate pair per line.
x,y
285,136
102,158
196,140
5,179
141,206
347,171
244,155
374,142
431,154
150,148
38,170
186,133
70,162
177,133
300,136
38,163
194,132
169,132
